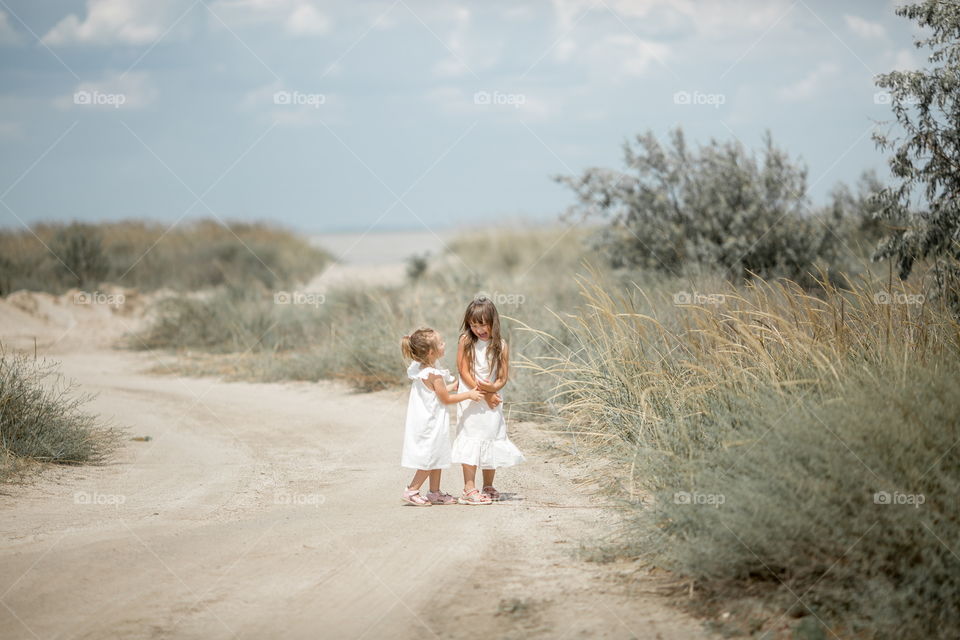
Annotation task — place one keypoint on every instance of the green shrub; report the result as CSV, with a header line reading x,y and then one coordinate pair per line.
x,y
718,206
848,503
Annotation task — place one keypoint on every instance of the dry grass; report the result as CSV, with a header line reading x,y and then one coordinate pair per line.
x,y
753,430
666,356
42,419
146,255
354,334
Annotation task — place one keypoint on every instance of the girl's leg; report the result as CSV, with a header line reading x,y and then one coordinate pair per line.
x,y
469,478
418,478
435,480
488,477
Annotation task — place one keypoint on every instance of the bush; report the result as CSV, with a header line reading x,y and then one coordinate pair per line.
x,y
718,206
41,419
82,260
847,503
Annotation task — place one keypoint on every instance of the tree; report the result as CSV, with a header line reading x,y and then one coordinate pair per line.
x,y
921,208
718,205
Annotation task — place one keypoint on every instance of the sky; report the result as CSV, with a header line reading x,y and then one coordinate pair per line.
x,y
401,114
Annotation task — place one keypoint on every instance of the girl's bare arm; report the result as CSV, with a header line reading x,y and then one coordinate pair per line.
x,y
503,373
439,387
465,374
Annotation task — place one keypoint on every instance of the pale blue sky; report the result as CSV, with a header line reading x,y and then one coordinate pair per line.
x,y
352,115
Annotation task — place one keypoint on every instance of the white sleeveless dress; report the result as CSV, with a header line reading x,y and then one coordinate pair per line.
x,y
426,437
481,431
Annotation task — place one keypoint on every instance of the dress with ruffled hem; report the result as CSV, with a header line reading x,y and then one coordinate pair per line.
x,y
426,436
481,431
486,453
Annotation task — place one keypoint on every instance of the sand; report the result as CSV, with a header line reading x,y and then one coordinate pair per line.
x,y
272,510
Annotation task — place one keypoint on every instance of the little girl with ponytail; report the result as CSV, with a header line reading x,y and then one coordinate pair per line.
x,y
426,438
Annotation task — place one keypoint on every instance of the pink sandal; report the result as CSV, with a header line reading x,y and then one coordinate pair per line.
x,y
491,493
439,497
474,497
412,496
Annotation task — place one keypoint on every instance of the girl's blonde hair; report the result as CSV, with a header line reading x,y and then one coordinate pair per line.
x,y
419,344
482,311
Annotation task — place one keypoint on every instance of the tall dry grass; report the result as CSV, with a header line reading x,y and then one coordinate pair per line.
x,y
761,334
756,425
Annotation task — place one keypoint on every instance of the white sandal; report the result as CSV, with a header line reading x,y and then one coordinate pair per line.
x,y
479,498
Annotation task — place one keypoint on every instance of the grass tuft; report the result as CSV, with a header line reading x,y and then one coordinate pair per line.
x,y
42,419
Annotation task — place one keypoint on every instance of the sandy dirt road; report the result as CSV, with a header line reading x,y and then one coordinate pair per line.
x,y
272,510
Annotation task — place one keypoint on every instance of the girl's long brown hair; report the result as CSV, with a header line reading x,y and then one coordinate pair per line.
x,y
482,311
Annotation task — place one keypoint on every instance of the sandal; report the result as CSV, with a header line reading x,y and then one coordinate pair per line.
x,y
491,493
439,497
474,497
412,496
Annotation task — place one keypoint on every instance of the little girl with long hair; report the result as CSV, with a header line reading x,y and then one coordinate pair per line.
x,y
483,360
426,438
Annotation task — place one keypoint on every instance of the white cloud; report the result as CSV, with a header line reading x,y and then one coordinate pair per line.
x,y
644,32
809,85
755,16
864,28
904,60
306,20
297,17
467,55
132,90
565,49
705,18
8,35
136,22
520,13
633,56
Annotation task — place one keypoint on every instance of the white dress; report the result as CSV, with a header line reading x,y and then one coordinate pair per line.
x,y
426,438
481,431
